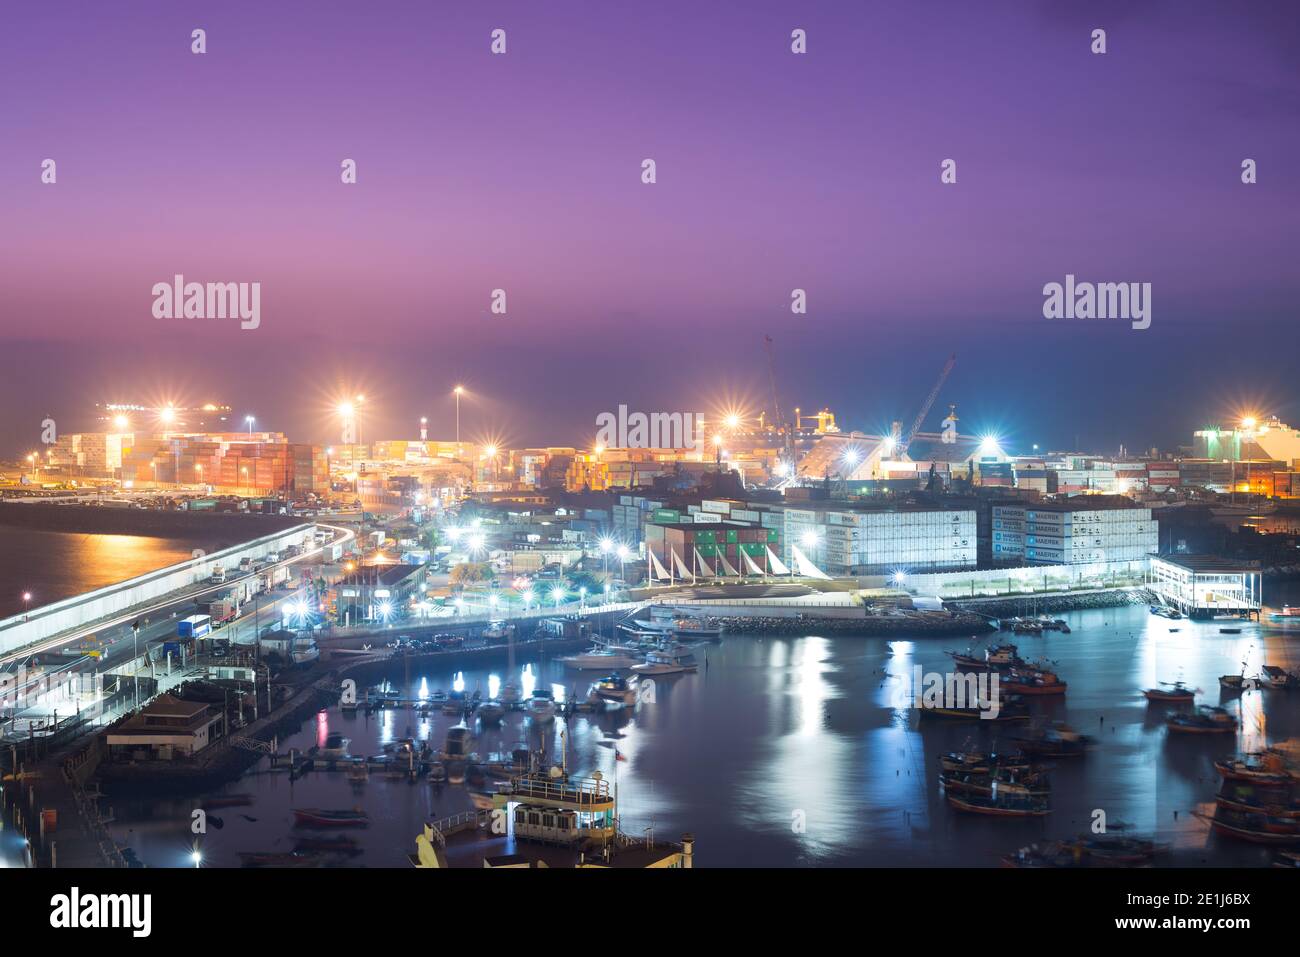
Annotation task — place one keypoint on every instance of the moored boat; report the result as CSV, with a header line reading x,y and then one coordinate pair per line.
x,y
1032,680
1000,806
1058,741
1176,691
491,711
319,817
1205,720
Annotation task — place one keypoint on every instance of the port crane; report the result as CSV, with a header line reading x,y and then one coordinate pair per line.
x,y
900,448
778,420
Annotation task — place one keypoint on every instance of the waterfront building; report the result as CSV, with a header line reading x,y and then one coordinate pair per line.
x,y
1202,586
1080,530
165,729
865,538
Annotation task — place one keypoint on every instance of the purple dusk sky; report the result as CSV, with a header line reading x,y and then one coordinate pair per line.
x,y
775,171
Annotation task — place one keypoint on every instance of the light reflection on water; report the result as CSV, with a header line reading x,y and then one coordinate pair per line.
x,y
794,751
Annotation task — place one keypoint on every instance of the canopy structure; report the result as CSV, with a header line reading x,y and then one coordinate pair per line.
x,y
778,567
751,566
682,570
805,567
701,563
726,566
659,571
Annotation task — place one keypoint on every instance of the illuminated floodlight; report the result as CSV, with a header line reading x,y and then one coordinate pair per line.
x,y
852,457
454,534
989,444
1249,422
782,469
606,545
733,421
120,421
492,600
557,594
899,577
528,597
623,552
346,409
490,451
477,542
809,539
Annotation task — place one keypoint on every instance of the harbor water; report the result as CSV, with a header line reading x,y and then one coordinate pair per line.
x,y
801,751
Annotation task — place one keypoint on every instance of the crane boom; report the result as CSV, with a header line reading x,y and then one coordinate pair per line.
x,y
777,418
926,405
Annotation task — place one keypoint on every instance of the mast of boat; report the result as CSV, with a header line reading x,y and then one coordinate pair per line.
x,y
564,753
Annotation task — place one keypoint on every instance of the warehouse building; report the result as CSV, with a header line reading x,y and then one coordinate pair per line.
x,y
867,539
1203,586
1081,530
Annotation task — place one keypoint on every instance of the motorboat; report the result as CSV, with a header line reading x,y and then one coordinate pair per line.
x,y
1057,741
491,711
1032,680
1002,805
455,703
690,628
541,706
455,746
335,748
616,688
667,663
597,659
509,693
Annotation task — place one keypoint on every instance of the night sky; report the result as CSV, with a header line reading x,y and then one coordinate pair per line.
x,y
775,171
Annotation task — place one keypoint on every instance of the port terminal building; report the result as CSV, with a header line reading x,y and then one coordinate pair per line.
x,y
1205,586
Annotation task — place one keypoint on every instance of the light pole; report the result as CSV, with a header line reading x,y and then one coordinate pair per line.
x,y
622,558
135,660
27,604
249,420
458,390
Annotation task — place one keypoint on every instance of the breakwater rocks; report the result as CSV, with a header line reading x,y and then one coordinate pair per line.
x,y
919,623
1047,604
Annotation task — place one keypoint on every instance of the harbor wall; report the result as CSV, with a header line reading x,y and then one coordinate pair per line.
x,y
232,527
1029,580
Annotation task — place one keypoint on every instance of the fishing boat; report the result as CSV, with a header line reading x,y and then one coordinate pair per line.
x,y
1057,741
455,703
509,693
1278,679
1114,850
999,656
437,698
1010,708
541,706
359,773
1047,854
1205,720
1032,680
1234,683
1268,769
1165,612
981,762
455,772
1288,613
1176,691
669,662
318,817
1240,799
491,711
1229,631
999,806
615,688
597,659
1254,828
437,773
1000,782
497,630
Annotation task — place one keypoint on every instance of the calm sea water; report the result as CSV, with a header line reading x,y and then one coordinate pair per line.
x,y
55,565
796,751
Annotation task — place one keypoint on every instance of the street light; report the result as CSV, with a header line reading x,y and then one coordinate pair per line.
x,y
557,595
458,390
623,554
249,419
27,604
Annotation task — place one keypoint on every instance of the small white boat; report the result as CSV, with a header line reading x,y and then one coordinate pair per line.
x,y
616,689
597,660
542,706
667,662
491,711
334,749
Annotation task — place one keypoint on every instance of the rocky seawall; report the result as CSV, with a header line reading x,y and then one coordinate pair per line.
x,y
1053,604
917,623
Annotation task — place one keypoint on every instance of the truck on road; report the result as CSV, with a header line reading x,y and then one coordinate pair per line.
x,y
218,575
195,626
